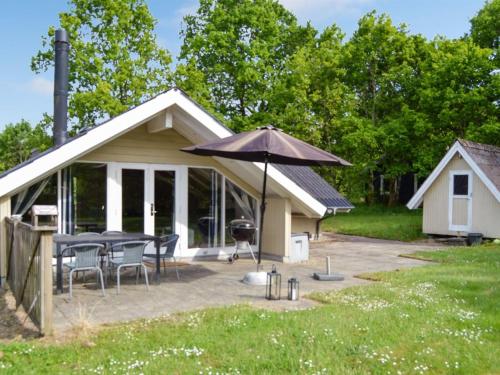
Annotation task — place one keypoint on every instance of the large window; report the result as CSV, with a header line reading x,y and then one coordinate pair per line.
x,y
238,205
206,190
204,197
88,182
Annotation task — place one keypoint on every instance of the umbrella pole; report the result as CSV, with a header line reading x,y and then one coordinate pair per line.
x,y
262,210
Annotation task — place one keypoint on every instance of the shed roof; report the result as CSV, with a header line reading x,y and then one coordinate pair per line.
x,y
483,159
487,157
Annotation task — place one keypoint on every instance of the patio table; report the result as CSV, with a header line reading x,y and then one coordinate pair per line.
x,y
105,240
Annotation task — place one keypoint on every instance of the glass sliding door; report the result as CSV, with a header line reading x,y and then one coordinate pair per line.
x,y
133,200
204,199
164,202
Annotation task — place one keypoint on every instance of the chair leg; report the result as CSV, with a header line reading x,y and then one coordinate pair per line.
x,y
176,269
71,284
102,281
118,280
145,275
136,275
164,267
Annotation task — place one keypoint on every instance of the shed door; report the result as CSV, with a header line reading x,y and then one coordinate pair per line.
x,y
460,201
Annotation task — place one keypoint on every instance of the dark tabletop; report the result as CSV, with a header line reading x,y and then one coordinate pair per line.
x,y
99,238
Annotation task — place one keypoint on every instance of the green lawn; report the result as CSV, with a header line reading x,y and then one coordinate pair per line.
x,y
392,223
442,318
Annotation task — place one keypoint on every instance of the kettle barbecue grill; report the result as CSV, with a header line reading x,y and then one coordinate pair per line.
x,y
243,232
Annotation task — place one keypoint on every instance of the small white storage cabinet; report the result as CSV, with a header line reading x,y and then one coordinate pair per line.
x,y
299,247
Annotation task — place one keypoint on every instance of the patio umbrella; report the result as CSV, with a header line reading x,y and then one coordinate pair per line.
x,y
267,144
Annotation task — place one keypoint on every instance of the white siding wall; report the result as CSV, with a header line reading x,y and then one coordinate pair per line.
x,y
278,227
302,224
139,146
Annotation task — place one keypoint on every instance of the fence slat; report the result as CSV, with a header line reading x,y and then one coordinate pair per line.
x,y
46,282
29,273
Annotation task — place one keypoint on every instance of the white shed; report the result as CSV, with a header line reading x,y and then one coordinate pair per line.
x,y
462,194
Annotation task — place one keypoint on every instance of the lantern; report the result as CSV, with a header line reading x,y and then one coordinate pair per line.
x,y
293,289
273,285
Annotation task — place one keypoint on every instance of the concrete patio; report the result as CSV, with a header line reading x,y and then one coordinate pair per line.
x,y
210,283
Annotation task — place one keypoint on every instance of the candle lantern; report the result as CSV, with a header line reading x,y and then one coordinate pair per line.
x,y
293,289
273,285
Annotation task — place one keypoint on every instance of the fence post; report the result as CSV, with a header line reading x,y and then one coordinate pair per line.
x,y
46,282
4,213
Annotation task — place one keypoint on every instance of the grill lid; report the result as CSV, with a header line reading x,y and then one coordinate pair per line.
x,y
242,224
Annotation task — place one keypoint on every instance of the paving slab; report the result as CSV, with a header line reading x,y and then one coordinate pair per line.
x,y
211,283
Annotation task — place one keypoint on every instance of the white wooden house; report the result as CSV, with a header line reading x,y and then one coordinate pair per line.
x,y
128,174
462,194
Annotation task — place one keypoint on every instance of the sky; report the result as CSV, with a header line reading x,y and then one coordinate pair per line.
x,y
25,95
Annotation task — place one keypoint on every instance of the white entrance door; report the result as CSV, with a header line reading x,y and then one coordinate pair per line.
x,y
146,201
460,201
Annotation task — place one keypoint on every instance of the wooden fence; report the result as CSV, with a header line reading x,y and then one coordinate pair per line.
x,y
29,272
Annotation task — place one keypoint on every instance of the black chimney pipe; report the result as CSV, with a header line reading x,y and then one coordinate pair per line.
x,y
61,72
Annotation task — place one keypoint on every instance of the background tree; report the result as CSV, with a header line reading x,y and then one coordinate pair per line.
x,y
485,25
19,141
458,98
382,67
115,60
239,49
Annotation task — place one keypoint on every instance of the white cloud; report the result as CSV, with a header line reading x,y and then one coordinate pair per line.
x,y
41,85
184,11
319,6
320,12
174,20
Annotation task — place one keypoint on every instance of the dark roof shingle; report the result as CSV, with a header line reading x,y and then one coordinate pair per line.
x,y
315,185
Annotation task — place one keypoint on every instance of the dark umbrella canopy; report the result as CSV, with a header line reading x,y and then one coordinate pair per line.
x,y
267,144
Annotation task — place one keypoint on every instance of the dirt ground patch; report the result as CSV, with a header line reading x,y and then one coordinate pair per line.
x,y
14,324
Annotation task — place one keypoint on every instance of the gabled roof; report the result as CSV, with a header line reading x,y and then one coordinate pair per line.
x,y
307,192
486,157
483,159
314,184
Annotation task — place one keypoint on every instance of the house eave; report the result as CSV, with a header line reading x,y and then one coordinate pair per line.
x,y
57,158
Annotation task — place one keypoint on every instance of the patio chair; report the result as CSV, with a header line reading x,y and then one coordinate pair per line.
x,y
102,253
86,259
63,246
133,252
167,249
69,255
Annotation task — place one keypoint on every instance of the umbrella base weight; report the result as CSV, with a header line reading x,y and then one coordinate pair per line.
x,y
329,275
326,277
255,278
